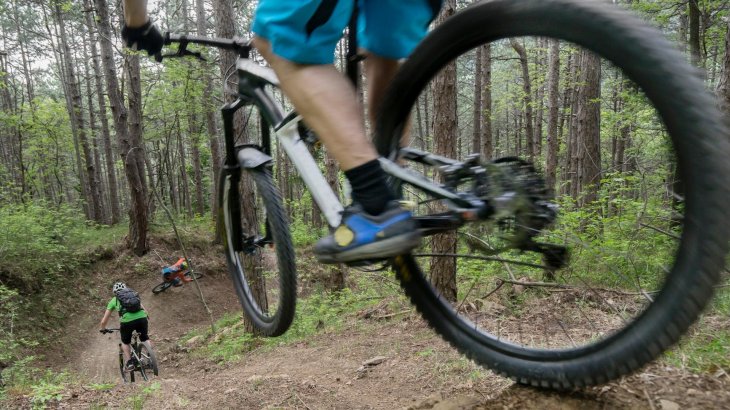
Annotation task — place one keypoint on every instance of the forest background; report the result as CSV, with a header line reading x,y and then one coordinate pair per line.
x,y
90,130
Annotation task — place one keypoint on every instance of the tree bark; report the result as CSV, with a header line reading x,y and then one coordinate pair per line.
x,y
443,269
137,239
486,74
589,127
551,160
527,98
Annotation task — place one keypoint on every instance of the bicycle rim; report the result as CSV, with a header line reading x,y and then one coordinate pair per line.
x,y
641,266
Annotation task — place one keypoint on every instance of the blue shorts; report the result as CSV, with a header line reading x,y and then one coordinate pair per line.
x,y
307,31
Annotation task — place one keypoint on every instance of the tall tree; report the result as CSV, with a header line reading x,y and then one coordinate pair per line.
x,y
443,269
138,222
527,97
111,173
89,184
551,159
588,118
486,103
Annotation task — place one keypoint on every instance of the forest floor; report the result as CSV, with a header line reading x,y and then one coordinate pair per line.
x,y
391,360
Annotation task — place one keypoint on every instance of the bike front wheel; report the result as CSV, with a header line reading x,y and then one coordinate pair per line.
x,y
161,287
640,264
259,250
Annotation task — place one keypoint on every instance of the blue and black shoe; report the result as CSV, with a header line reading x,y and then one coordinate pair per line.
x,y
361,236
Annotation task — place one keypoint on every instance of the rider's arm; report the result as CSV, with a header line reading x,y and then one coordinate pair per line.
x,y
135,13
105,319
138,32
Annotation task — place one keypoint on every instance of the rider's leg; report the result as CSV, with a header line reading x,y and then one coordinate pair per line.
x,y
301,55
127,350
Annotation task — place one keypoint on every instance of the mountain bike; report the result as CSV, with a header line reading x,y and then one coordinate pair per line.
x,y
542,284
144,356
183,276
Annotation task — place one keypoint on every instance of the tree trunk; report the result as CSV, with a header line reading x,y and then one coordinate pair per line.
x,y
139,212
476,141
723,83
694,32
106,138
551,161
209,112
486,74
443,269
527,98
589,127
137,239
86,175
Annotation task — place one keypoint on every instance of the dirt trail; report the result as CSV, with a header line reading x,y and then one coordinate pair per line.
x,y
409,366
173,313
412,369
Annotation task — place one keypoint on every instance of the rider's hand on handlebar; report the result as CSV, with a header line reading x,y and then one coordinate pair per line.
x,y
147,38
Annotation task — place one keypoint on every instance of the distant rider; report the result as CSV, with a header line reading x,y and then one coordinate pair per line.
x,y
174,273
132,316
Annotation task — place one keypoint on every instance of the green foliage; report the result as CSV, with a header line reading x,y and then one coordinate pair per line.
x,y
43,387
707,350
319,312
137,401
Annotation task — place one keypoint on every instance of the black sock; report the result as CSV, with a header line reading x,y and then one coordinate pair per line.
x,y
369,188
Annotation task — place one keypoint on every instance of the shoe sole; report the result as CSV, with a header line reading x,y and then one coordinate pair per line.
x,y
386,248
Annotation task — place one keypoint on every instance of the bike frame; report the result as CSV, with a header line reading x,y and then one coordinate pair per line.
x,y
254,83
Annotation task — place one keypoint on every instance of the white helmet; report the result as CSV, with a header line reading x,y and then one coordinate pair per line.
x,y
118,286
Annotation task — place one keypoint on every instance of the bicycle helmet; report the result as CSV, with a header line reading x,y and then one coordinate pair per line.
x,y
118,286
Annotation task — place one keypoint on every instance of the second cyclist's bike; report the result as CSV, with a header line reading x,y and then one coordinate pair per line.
x,y
546,284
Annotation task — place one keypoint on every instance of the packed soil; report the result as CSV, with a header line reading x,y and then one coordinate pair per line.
x,y
391,360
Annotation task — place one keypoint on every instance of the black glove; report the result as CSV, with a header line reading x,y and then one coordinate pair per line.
x,y
146,38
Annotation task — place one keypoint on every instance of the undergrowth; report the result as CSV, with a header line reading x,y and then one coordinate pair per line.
x,y
321,311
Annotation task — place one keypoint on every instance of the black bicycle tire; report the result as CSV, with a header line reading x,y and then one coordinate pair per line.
x,y
161,287
152,355
279,323
698,135
121,366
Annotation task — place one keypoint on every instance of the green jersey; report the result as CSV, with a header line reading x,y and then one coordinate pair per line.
x,y
114,304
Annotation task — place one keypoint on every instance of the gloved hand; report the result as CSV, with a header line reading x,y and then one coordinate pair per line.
x,y
147,38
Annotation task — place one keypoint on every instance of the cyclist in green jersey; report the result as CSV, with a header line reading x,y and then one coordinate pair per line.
x,y
128,323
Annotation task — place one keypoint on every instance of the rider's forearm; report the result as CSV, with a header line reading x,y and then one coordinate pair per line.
x,y
135,13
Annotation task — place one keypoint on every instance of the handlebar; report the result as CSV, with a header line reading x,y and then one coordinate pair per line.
x,y
239,45
105,331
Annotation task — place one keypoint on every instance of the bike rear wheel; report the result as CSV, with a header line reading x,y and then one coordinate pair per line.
x,y
261,260
632,288
147,358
